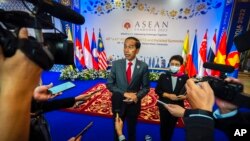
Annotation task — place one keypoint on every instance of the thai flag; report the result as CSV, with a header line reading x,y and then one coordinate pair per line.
x,y
211,53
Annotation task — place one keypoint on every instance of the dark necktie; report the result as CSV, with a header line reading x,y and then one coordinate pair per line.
x,y
129,72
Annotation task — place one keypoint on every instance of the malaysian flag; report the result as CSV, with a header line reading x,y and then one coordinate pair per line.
x,y
102,58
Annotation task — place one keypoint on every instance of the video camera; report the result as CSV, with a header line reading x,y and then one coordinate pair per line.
x,y
229,91
44,49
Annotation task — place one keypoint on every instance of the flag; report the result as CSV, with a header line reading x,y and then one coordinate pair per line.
x,y
87,52
211,53
192,62
79,58
202,56
94,52
220,57
233,59
185,48
68,32
78,52
102,58
185,51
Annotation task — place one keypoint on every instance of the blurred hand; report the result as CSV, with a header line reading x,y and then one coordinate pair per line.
x,y
18,73
130,97
170,96
41,93
200,96
75,139
83,97
181,97
175,110
18,78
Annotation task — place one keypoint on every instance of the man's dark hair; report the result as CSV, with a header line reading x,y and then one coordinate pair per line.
x,y
177,58
137,44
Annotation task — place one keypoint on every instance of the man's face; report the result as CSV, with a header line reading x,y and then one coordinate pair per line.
x,y
130,50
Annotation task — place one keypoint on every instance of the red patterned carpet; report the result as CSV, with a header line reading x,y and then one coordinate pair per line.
x,y
100,105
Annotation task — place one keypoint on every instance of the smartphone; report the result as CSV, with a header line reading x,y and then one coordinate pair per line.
x,y
61,87
161,102
84,129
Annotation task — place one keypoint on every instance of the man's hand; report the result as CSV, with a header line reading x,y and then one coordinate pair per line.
x,y
130,97
75,139
118,125
200,96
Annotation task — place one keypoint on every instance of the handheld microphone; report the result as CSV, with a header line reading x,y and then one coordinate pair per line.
x,y
218,67
84,130
57,10
17,18
22,19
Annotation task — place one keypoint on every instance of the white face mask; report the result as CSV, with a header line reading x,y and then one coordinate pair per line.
x,y
174,69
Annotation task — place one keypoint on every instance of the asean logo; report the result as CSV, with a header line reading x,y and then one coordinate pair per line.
x,y
127,25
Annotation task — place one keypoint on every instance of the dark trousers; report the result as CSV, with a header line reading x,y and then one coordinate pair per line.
x,y
129,113
167,125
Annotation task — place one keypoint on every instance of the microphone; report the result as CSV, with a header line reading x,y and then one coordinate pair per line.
x,y
17,18
219,67
22,19
57,10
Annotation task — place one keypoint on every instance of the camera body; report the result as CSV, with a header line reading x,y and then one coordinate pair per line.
x,y
228,91
44,49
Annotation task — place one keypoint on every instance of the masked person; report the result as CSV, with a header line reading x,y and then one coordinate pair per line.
x,y
169,89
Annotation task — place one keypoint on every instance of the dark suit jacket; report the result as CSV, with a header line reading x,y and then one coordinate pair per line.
x,y
39,129
46,106
199,129
165,85
118,85
202,129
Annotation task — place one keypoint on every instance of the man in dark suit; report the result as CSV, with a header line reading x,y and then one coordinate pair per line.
x,y
129,83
